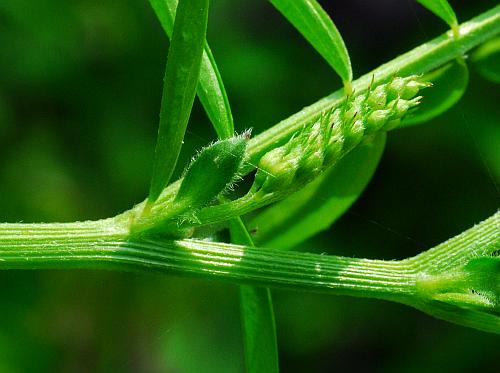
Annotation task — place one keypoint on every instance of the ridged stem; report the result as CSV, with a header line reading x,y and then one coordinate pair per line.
x,y
479,241
97,245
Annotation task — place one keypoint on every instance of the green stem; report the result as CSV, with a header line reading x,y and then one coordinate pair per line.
x,y
105,244
483,240
437,282
225,211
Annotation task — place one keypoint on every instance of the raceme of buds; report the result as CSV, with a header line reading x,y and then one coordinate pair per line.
x,y
319,146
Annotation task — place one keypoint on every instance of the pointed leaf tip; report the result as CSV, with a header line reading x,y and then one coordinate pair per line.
x,y
443,10
310,19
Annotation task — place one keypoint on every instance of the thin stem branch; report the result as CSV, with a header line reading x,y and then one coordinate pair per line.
x,y
483,240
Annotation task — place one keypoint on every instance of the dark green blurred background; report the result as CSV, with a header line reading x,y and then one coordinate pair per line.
x,y
80,87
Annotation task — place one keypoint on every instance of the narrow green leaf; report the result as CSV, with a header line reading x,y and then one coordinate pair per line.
x,y
309,18
315,207
181,78
210,90
486,60
257,316
449,83
443,10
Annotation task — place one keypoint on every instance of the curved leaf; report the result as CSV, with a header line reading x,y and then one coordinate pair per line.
x,y
181,79
315,207
257,316
449,83
486,59
316,26
210,90
443,10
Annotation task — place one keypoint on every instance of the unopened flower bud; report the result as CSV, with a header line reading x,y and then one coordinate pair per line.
x,y
377,119
411,89
377,98
395,87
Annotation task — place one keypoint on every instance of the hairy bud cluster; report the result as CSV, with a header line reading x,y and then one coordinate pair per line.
x,y
319,146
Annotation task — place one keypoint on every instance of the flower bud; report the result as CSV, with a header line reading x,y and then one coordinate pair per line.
x,y
353,134
310,166
277,168
395,87
411,89
377,98
211,172
377,119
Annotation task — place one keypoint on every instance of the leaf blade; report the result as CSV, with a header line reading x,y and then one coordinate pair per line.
x,y
309,18
321,202
257,316
210,89
443,10
213,96
181,79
